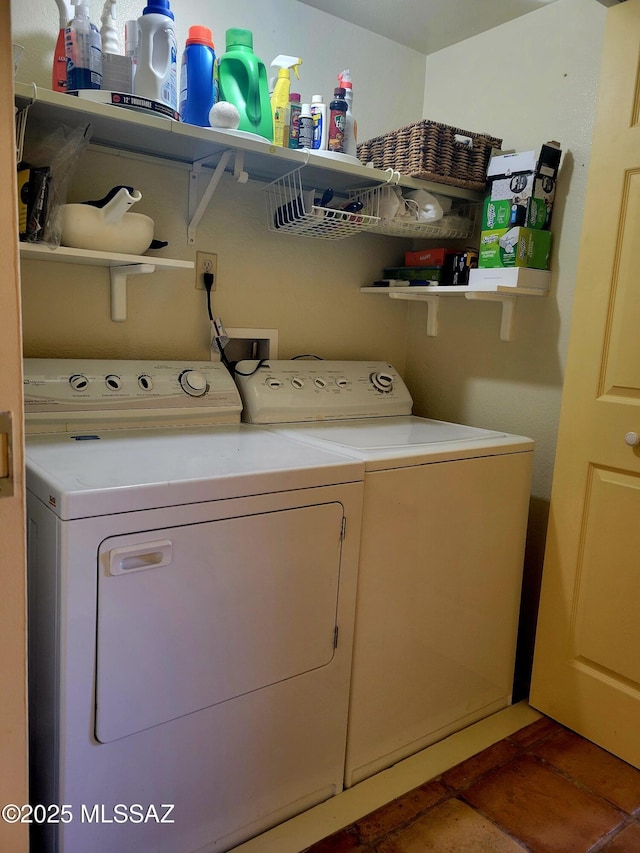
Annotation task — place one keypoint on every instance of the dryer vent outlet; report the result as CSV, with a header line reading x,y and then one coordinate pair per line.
x,y
250,343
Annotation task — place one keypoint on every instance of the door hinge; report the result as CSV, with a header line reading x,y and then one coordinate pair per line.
x,y
343,528
6,455
336,631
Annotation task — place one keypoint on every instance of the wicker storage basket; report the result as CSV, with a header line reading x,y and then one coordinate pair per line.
x,y
433,152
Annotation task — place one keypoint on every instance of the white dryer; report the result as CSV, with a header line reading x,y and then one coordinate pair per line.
x,y
191,604
441,556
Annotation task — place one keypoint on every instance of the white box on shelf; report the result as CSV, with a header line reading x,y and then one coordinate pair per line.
x,y
518,278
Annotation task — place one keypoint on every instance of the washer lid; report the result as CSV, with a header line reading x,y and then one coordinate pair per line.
x,y
406,440
85,475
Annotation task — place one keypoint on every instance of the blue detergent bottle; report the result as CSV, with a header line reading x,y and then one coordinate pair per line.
x,y
243,82
197,77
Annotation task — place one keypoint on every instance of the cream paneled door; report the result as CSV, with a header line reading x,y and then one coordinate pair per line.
x,y
587,660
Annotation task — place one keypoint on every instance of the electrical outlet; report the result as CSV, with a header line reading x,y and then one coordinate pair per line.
x,y
206,262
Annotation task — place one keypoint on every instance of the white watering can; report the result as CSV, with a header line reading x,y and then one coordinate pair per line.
x,y
106,226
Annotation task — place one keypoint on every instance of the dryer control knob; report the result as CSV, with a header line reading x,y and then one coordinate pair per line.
x,y
113,382
193,383
297,382
145,382
382,382
79,382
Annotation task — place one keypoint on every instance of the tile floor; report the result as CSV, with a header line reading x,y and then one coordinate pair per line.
x,y
543,789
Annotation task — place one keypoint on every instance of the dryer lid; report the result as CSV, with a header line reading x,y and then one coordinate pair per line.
x,y
80,476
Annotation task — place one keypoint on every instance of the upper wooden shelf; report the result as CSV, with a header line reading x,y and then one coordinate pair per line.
x,y
157,136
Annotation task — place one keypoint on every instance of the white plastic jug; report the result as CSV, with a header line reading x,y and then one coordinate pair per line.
x,y
156,60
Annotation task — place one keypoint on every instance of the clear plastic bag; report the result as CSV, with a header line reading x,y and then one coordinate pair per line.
x,y
50,154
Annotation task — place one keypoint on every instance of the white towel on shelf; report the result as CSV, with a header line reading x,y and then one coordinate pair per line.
x,y
429,208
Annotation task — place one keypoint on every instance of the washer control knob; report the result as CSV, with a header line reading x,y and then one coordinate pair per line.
x,y
632,439
297,382
274,382
382,382
319,382
113,382
145,382
79,382
193,383
342,382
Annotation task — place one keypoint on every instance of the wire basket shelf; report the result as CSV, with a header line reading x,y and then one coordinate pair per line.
x,y
291,209
404,217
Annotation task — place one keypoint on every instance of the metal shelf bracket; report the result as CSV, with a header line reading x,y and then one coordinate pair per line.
x,y
198,207
433,305
508,309
119,287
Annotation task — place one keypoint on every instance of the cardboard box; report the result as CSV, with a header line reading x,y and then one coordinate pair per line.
x,y
453,271
521,189
23,199
514,277
415,275
515,247
426,257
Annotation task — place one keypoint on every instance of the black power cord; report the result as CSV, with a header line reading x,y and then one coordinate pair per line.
x,y
208,284
208,279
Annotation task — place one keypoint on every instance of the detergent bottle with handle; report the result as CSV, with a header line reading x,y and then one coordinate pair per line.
x,y
280,95
242,81
197,77
156,61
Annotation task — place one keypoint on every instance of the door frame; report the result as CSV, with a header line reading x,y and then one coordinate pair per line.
x,y
13,660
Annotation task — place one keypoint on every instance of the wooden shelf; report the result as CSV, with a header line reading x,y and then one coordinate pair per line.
x,y
120,266
503,286
156,136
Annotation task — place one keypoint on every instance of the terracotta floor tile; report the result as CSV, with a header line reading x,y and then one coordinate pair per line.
x,y
345,841
451,827
627,841
543,809
464,774
535,731
399,811
594,768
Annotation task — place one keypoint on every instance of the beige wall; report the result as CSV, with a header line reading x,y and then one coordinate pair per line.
x,y
529,81
307,289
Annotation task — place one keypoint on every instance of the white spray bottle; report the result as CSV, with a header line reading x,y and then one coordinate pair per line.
x,y
117,69
351,128
59,70
109,30
83,49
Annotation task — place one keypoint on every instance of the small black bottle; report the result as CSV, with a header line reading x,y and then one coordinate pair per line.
x,y
337,120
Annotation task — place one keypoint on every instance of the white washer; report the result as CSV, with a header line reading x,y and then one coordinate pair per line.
x,y
191,604
443,532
